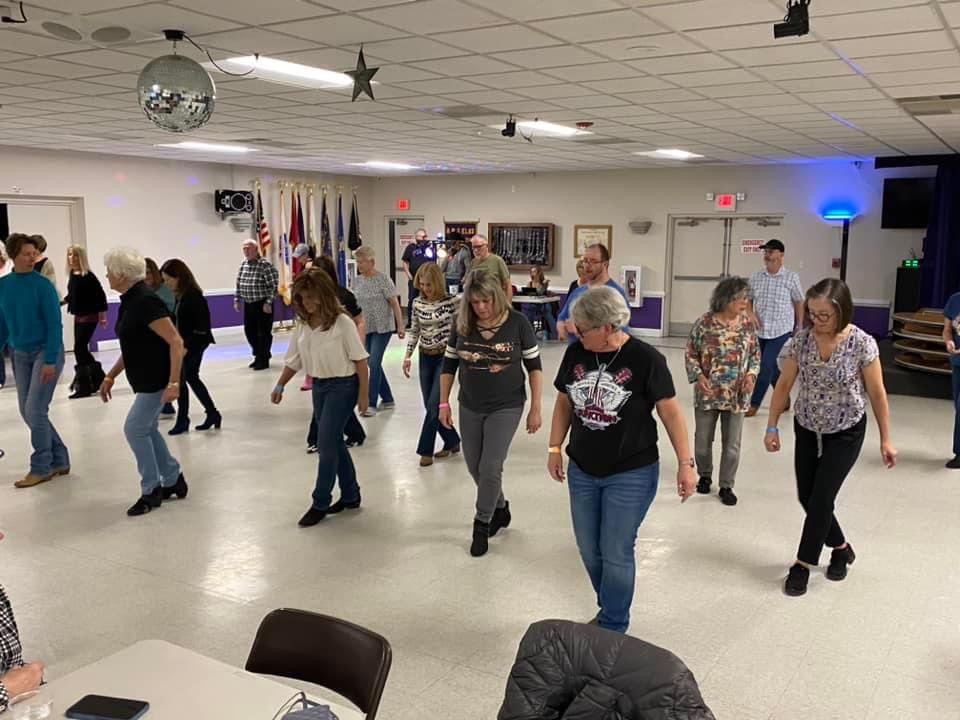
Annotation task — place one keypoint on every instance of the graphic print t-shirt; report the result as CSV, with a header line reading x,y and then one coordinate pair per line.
x,y
952,312
613,428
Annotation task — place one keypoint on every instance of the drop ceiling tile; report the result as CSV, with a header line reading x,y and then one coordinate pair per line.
x,y
6,57
919,77
110,60
644,98
743,36
590,101
517,79
78,87
798,71
740,90
848,82
16,77
466,66
711,78
819,98
918,61
441,86
403,73
253,40
593,71
904,91
338,31
781,54
327,58
549,57
433,16
155,18
878,23
484,98
687,106
546,92
711,13
16,40
906,43
254,12
649,46
57,68
599,26
413,49
499,39
636,84
681,63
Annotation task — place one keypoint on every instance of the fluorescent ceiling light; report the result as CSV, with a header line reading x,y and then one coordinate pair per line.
x,y
541,127
383,165
206,147
281,71
670,154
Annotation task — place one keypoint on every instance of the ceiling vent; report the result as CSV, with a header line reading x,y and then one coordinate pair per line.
x,y
77,28
931,105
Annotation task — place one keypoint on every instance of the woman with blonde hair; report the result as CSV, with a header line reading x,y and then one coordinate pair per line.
x,y
87,302
433,313
488,342
326,345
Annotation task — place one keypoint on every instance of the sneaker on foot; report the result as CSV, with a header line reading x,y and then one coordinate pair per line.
x,y
839,559
954,464
796,582
703,485
387,405
727,496
369,412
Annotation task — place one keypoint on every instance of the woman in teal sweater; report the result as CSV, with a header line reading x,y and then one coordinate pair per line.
x,y
30,324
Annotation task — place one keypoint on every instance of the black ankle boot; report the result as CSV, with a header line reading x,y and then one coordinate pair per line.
x,y
179,488
796,582
481,535
214,420
501,519
146,503
180,427
839,559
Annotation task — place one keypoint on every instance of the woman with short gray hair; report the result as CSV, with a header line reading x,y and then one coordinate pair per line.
x,y
608,386
723,361
151,351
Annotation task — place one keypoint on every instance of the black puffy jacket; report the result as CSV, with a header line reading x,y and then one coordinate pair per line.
x,y
570,671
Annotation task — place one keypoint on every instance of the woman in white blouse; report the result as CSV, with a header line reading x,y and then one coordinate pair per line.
x,y
326,345
377,296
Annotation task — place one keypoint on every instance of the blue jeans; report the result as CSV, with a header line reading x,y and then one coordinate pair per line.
x,y
607,512
545,313
769,370
333,403
34,397
376,344
956,403
154,462
430,389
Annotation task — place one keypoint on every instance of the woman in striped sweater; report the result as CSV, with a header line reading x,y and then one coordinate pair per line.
x,y
433,314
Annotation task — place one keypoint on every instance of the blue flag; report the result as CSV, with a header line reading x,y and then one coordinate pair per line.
x,y
341,250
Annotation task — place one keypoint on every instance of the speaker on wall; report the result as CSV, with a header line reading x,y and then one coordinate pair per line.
x,y
233,201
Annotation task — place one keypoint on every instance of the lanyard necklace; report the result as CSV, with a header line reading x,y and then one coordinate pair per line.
x,y
602,367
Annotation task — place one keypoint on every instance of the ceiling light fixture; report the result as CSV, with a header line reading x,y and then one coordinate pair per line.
x,y
207,147
385,165
670,154
287,73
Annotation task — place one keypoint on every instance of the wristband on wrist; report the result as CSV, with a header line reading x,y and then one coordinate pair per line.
x,y
773,430
444,405
278,388
555,449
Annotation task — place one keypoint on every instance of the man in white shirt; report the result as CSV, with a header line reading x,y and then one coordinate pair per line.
x,y
778,306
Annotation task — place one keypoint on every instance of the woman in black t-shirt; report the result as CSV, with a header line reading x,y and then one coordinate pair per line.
x,y
87,302
608,386
151,351
488,344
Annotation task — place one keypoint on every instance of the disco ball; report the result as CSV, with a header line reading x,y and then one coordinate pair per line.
x,y
176,93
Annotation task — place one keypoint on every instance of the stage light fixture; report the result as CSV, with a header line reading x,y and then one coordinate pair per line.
x,y
797,21
510,128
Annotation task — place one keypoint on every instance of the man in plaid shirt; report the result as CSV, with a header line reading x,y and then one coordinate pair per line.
x,y
257,283
15,677
778,306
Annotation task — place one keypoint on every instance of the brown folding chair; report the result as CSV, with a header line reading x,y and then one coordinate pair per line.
x,y
326,651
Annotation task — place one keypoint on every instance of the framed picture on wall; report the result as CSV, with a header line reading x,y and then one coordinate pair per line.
x,y
351,274
586,235
631,277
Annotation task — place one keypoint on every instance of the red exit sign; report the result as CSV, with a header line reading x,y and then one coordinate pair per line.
x,y
725,201
403,204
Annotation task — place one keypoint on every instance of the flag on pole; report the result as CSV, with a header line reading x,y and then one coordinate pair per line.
x,y
263,231
293,237
298,266
354,237
312,219
284,255
341,248
326,245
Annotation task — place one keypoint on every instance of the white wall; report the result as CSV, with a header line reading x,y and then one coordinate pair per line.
x,y
616,197
163,208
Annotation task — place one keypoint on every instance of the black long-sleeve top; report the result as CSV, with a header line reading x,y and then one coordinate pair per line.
x,y
85,295
193,321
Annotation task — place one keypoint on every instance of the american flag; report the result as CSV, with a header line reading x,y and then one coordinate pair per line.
x,y
263,232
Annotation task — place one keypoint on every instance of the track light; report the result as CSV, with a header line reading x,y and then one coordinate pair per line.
x,y
797,21
510,128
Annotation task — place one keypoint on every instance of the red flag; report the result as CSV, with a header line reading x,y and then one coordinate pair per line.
x,y
263,232
294,237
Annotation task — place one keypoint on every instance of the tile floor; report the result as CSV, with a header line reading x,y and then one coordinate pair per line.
x,y
87,580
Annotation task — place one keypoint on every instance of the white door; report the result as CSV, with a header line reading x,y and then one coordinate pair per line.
x,y
698,261
400,233
746,232
54,222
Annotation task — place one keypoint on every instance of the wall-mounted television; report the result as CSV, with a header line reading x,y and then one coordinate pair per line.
x,y
906,202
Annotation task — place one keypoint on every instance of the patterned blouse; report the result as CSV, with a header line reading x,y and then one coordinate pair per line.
x,y
430,326
374,294
10,652
727,355
832,396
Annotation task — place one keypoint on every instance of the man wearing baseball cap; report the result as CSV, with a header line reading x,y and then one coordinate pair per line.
x,y
778,305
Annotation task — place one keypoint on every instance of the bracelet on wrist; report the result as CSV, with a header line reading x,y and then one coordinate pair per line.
x,y
444,405
278,388
773,430
554,449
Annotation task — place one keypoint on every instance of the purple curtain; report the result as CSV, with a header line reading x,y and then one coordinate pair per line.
x,y
940,269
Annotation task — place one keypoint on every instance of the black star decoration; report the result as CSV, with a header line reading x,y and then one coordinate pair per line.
x,y
362,77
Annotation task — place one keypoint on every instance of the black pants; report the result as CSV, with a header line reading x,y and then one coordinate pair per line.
x,y
412,294
353,431
82,335
819,478
190,375
258,327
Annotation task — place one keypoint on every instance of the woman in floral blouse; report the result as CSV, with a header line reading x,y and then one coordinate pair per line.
x,y
838,368
723,359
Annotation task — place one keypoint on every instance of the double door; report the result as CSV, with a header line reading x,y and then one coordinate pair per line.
x,y
707,249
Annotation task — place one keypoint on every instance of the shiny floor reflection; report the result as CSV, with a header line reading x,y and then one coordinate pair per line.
x,y
87,580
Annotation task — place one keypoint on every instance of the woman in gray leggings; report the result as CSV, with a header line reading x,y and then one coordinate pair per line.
x,y
488,343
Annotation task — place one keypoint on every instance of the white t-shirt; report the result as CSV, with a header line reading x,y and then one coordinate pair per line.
x,y
326,353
